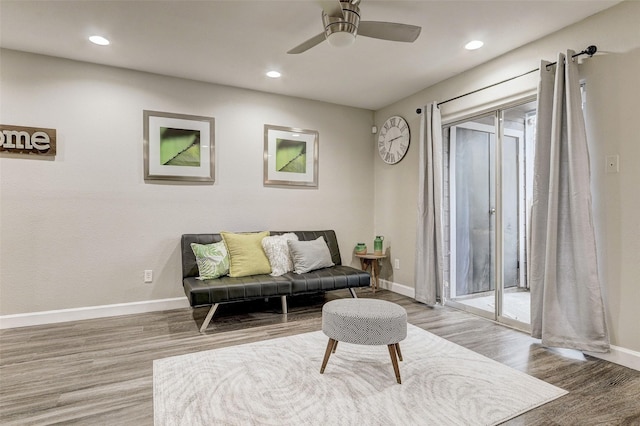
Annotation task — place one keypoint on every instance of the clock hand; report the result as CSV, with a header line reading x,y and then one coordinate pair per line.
x,y
392,141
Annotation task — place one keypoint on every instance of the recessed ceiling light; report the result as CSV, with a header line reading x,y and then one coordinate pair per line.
x,y
96,39
273,74
473,45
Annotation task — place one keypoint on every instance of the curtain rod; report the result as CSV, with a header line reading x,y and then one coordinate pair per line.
x,y
591,50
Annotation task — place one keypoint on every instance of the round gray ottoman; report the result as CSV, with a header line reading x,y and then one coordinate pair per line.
x,y
364,322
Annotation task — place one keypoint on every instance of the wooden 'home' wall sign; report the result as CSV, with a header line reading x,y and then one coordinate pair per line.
x,y
27,140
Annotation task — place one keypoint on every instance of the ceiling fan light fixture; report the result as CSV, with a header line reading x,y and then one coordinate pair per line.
x,y
341,21
341,39
341,31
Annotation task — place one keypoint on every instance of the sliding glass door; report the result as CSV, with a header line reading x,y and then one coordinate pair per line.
x,y
489,193
472,174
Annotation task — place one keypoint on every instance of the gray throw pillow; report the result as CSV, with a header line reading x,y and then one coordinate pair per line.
x,y
309,255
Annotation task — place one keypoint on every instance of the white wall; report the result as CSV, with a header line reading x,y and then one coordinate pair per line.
x,y
80,230
613,96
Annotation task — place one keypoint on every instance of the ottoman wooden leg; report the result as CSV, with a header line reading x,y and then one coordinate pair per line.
x,y
398,351
327,353
394,361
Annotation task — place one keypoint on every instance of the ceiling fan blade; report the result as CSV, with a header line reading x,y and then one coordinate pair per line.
x,y
332,8
389,31
313,41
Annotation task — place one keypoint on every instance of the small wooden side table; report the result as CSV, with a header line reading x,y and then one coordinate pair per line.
x,y
373,260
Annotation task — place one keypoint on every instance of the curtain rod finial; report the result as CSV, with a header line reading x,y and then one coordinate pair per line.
x,y
419,111
591,50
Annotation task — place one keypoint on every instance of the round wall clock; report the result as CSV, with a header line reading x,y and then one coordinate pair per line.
x,y
393,139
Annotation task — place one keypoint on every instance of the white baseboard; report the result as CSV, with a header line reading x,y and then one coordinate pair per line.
x,y
397,288
619,355
91,312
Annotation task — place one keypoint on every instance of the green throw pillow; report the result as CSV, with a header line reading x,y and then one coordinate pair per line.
x,y
212,260
246,254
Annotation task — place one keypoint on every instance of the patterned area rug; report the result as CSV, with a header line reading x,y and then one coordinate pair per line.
x,y
278,382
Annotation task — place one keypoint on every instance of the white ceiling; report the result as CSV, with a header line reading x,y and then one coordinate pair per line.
x,y
234,42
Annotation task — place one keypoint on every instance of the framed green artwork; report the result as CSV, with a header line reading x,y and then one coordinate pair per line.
x,y
290,157
178,147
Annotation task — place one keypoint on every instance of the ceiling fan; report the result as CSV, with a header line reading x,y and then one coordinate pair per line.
x,y
341,21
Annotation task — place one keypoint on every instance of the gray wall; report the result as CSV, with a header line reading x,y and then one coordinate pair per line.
x,y
80,230
613,93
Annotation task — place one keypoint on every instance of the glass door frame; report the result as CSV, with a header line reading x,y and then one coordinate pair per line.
x,y
497,255
452,182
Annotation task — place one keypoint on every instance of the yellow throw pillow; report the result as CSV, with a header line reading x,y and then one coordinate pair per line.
x,y
246,255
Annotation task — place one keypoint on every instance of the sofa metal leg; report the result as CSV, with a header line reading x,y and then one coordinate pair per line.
x,y
284,304
207,319
353,292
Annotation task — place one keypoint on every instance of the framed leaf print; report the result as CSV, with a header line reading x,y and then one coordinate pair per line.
x,y
290,157
179,147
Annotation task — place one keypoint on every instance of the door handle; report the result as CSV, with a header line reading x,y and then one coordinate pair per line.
x,y
492,211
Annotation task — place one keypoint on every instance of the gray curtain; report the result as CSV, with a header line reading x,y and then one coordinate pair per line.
x,y
566,302
429,255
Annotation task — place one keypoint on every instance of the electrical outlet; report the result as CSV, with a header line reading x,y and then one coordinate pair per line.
x,y
148,275
396,263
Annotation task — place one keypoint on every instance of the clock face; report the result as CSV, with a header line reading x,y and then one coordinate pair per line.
x,y
393,140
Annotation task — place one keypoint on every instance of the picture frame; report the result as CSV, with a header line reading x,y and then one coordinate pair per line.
x,y
290,157
179,147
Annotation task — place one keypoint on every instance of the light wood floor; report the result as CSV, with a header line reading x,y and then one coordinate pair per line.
x,y
99,372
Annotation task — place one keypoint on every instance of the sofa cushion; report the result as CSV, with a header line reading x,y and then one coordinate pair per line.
x,y
212,260
277,251
327,279
309,255
246,256
227,289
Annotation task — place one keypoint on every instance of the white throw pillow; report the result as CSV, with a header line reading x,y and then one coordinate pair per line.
x,y
309,255
277,252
